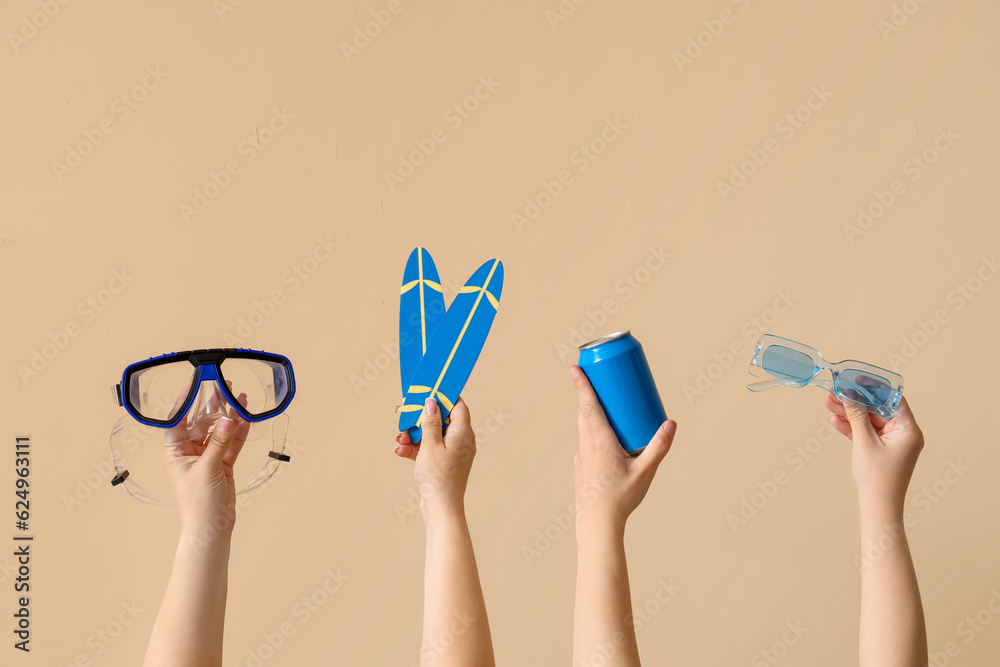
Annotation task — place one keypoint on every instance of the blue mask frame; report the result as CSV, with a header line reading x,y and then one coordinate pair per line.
x,y
208,368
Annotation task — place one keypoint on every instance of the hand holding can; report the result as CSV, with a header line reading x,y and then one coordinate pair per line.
x,y
619,373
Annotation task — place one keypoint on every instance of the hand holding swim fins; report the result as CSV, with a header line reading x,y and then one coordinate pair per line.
x,y
437,347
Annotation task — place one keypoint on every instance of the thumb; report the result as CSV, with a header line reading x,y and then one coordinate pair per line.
x,y
218,444
861,422
430,423
657,448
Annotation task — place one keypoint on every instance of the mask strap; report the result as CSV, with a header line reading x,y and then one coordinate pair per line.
x,y
123,478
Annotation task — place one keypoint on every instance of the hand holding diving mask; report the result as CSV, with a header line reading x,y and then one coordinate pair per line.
x,y
180,397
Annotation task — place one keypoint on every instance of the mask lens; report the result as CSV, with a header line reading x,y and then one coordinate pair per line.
x,y
864,387
159,392
265,383
789,363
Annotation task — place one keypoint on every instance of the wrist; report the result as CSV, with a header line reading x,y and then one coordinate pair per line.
x,y
443,516
603,526
203,534
879,506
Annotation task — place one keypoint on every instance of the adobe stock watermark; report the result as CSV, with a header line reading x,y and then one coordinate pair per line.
x,y
376,364
581,158
495,420
301,612
924,500
644,613
562,12
562,522
104,637
703,39
778,649
364,33
454,116
244,500
971,627
87,311
767,489
915,167
33,24
295,276
247,152
121,108
624,289
639,618
7,568
435,648
956,299
223,7
750,330
785,127
898,17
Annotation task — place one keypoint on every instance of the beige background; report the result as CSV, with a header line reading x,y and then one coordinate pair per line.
x,y
337,505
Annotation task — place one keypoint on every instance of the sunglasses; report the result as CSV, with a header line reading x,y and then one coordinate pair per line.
x,y
160,391
787,363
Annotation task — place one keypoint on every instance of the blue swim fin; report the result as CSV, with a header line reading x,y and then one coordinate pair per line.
x,y
421,309
455,347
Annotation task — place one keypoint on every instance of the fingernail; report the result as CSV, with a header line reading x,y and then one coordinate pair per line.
x,y
396,450
225,425
430,406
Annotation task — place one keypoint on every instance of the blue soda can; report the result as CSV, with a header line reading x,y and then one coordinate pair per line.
x,y
620,375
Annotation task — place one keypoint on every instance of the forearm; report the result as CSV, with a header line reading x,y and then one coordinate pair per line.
x,y
456,628
602,618
892,618
189,627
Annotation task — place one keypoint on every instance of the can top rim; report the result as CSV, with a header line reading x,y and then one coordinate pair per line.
x,y
604,339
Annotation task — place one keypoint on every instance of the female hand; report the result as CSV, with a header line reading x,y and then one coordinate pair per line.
x,y
884,451
201,475
443,463
610,484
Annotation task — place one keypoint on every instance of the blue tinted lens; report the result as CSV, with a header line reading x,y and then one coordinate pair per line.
x,y
864,387
784,361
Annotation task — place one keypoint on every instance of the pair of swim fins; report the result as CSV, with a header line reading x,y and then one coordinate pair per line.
x,y
439,346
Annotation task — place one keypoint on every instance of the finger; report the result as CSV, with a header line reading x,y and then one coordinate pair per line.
x,y
239,439
179,401
861,422
407,451
903,412
461,420
590,417
404,438
430,424
649,460
218,443
242,425
837,407
233,452
179,451
213,399
841,424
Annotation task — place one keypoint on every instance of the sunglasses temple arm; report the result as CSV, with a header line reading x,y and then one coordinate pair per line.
x,y
765,384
